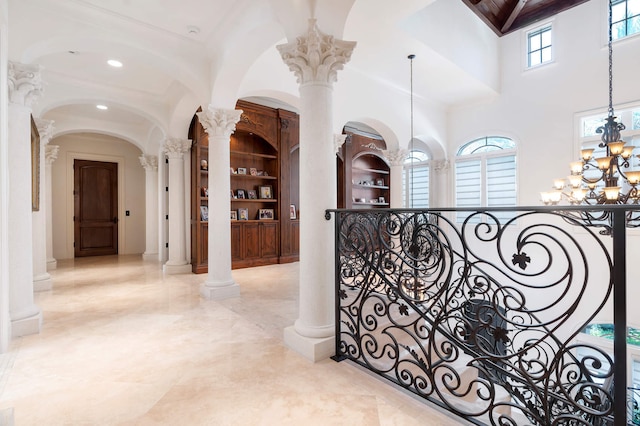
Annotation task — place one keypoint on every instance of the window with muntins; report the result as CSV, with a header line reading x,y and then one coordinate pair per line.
x,y
415,178
539,47
485,174
625,18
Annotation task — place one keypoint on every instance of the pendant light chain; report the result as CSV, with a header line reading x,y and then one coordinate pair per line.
x,y
411,153
610,59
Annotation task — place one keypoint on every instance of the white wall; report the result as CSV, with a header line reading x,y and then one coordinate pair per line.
x,y
131,187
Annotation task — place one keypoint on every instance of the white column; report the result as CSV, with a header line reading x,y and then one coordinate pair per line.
x,y
150,164
24,86
50,155
396,160
440,185
177,263
219,124
41,278
338,141
315,59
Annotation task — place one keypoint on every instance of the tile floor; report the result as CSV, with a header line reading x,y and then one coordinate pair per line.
x,y
121,344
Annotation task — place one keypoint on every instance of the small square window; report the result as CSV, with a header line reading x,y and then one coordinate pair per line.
x,y
539,47
625,18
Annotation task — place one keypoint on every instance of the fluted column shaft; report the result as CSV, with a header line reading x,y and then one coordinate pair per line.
x,y
396,161
150,164
24,87
41,278
315,59
51,154
177,263
219,125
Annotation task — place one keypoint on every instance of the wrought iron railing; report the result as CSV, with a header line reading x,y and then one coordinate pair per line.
x,y
479,311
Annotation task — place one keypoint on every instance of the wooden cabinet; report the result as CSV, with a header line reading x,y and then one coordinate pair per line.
x,y
363,173
262,189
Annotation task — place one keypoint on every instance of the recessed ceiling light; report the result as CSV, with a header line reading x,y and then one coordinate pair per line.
x,y
114,63
102,107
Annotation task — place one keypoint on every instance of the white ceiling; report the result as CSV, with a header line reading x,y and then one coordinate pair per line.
x,y
176,53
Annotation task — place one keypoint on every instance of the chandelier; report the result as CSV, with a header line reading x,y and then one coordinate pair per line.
x,y
601,180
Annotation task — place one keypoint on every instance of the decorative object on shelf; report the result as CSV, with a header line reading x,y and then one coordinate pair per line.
x,y
232,170
242,171
266,192
381,200
251,194
204,213
204,191
265,214
204,165
380,182
234,215
588,174
232,194
253,171
292,212
241,194
243,214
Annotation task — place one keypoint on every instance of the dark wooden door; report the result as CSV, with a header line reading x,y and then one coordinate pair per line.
x,y
95,208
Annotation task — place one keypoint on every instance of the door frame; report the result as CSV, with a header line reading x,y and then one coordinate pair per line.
x,y
70,230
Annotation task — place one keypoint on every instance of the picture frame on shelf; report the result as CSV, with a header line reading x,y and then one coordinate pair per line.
x,y
234,215
240,194
292,212
251,194
253,171
265,214
266,192
381,200
204,213
242,171
243,214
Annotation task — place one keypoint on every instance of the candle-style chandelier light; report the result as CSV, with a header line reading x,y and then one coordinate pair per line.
x,y
602,180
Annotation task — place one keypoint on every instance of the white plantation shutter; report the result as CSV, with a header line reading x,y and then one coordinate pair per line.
x,y
416,171
468,185
501,184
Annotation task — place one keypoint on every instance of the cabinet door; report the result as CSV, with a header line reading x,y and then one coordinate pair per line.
x,y
236,241
251,241
269,239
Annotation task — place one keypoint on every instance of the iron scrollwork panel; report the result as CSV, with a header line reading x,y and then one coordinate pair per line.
x,y
478,317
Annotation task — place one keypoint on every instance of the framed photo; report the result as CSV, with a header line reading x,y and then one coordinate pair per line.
x,y
292,211
242,171
253,171
381,200
266,192
240,193
251,194
204,213
379,182
234,215
243,214
265,214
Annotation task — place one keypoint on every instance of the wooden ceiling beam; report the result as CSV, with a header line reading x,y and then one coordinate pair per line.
x,y
513,15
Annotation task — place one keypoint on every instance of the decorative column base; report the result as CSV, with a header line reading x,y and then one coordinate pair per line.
x,y
42,282
52,264
314,349
219,291
26,323
176,269
150,256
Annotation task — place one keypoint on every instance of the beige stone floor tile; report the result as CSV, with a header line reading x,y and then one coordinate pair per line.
x,y
123,344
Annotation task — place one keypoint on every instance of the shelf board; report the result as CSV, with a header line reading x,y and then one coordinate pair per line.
x,y
253,177
254,220
358,203
359,185
254,200
382,172
254,154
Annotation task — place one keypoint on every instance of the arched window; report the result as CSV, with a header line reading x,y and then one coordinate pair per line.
x,y
415,180
485,173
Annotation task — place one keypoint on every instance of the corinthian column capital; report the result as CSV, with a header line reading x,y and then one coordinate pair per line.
x,y
45,129
50,154
395,157
218,121
149,162
338,141
175,147
316,57
25,83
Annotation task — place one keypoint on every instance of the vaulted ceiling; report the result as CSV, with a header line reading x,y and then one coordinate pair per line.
x,y
505,16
